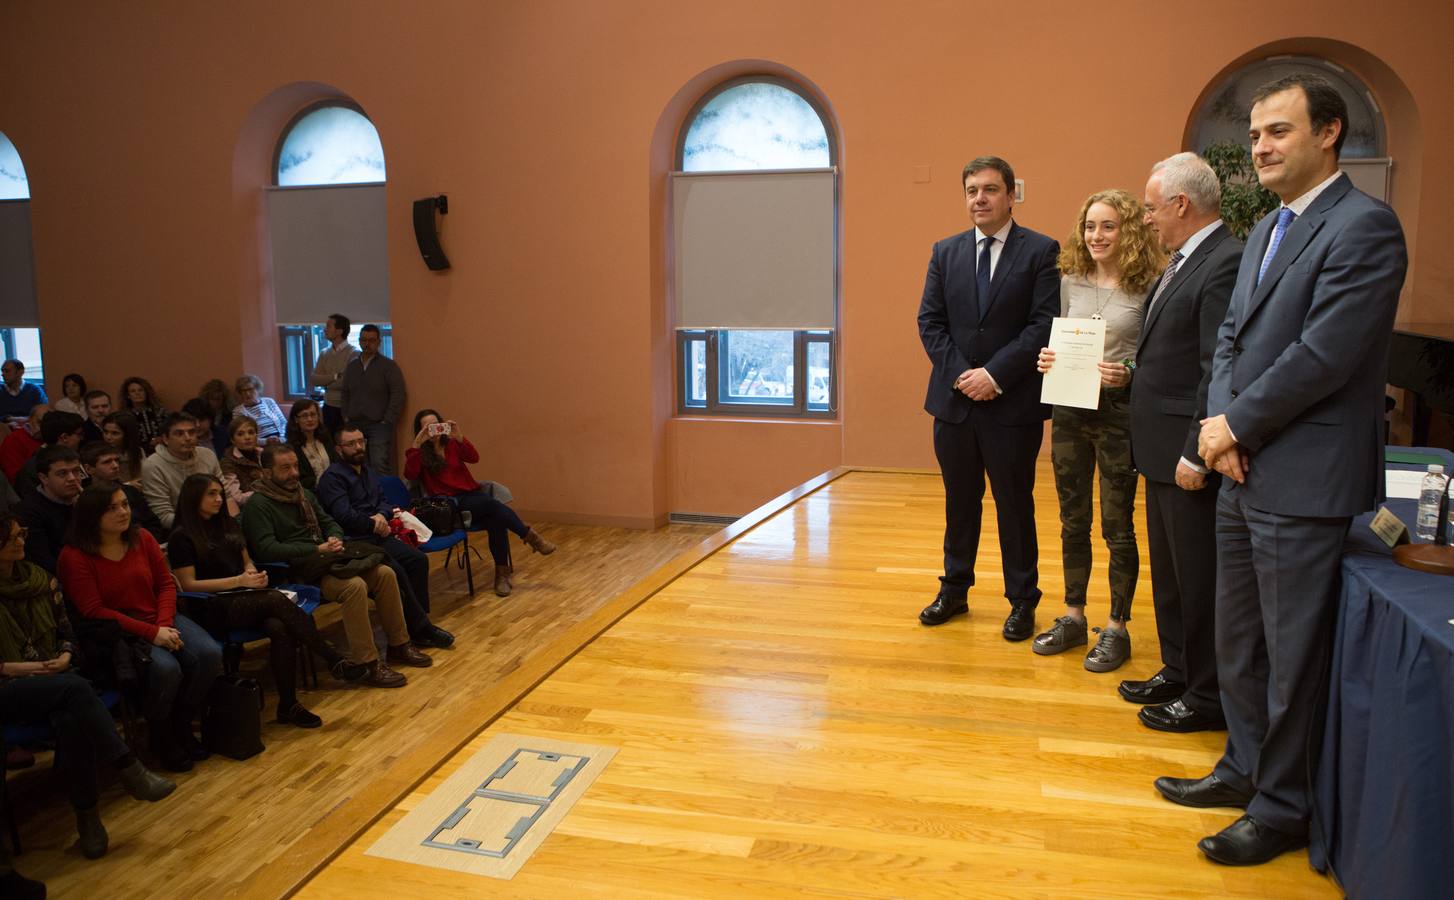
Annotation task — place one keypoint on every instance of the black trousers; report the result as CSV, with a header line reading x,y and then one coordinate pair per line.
x,y
1277,594
1182,538
84,729
967,452
287,627
411,570
497,518
332,418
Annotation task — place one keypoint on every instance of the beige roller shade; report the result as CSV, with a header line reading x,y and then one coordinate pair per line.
x,y
755,249
330,253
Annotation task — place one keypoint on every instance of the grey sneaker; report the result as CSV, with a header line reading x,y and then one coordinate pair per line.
x,y
1110,652
1064,634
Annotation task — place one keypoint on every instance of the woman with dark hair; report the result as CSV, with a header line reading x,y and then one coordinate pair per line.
x,y
73,394
1107,265
310,438
208,554
139,399
440,459
121,430
266,415
39,683
215,394
242,462
113,570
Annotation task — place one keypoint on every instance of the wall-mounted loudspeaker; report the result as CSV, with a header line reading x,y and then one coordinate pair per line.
x,y
425,232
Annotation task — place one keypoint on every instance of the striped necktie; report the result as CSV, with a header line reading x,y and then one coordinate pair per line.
x,y
1166,277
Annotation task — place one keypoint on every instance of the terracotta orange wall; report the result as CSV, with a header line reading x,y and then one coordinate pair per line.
x,y
147,129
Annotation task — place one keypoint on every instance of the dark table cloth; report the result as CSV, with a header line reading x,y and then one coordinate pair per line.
x,y
1384,813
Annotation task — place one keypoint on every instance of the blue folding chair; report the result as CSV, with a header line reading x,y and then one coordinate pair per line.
x,y
396,493
309,599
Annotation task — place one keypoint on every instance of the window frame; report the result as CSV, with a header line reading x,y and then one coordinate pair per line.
x,y
714,405
292,123
7,343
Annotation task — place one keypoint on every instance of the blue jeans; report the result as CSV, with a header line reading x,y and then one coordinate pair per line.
x,y
182,677
380,439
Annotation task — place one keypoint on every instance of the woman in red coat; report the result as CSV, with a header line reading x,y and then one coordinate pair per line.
x,y
440,459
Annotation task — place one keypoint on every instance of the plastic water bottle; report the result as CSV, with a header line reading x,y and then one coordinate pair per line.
x,y
1431,491
1449,532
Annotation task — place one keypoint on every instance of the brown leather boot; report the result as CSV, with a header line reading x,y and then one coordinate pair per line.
x,y
537,543
380,675
408,655
503,584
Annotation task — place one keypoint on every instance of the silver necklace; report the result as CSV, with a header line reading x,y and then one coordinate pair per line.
x,y
1101,305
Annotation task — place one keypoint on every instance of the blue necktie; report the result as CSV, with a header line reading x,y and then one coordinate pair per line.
x,y
1284,219
982,276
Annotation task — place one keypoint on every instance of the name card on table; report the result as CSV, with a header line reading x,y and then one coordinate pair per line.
x,y
1389,528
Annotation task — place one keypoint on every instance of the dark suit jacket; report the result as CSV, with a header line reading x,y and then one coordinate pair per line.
x,y
1302,358
1174,357
1002,333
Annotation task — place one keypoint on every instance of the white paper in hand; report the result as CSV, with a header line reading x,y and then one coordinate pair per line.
x,y
1075,379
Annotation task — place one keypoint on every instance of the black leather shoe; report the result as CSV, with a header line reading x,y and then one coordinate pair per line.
x,y
1247,842
1202,793
433,636
1020,623
1177,717
942,610
1156,689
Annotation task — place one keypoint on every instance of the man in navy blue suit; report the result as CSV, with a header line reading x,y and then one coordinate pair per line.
x,y
988,300
1295,423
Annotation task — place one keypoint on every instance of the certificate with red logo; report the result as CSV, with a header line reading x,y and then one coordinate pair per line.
x,y
1074,378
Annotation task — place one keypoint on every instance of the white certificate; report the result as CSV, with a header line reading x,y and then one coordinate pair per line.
x,y
1074,379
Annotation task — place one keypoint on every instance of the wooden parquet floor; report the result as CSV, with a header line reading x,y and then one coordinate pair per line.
x,y
788,729
230,820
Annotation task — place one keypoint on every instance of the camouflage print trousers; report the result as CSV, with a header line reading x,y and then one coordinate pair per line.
x,y
1081,441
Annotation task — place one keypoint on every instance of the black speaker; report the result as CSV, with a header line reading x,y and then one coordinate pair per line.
x,y
425,233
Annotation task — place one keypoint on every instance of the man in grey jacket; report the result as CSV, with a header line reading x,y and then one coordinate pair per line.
x,y
373,398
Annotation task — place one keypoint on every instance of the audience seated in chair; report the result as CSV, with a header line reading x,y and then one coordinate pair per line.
x,y
57,429
102,462
163,472
241,462
285,523
208,554
111,569
219,400
139,399
48,510
439,459
17,396
21,443
198,409
265,413
349,491
312,440
73,395
121,430
38,684
97,407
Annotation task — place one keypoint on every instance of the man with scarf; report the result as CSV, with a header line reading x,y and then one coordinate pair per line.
x,y
285,523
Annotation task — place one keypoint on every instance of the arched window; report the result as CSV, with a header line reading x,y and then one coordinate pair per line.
x,y
330,143
1222,115
19,336
326,217
755,253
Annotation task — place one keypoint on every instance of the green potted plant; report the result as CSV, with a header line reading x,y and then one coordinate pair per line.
x,y
1244,200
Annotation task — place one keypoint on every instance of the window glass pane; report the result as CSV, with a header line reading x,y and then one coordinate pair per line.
x,y
1223,115
13,183
295,361
696,373
26,343
755,126
331,145
756,367
820,374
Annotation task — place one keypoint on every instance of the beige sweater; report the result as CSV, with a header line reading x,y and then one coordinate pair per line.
x,y
162,475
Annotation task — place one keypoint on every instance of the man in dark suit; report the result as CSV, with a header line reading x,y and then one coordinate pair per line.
x,y
988,300
1296,426
1168,402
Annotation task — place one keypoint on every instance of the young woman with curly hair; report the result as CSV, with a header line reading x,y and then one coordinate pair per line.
x,y
139,398
1107,266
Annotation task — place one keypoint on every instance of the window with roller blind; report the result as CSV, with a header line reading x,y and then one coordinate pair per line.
x,y
754,208
19,334
326,227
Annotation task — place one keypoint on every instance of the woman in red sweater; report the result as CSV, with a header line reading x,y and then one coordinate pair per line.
x,y
440,459
111,569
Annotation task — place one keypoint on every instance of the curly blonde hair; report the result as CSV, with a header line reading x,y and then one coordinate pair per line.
x,y
1139,255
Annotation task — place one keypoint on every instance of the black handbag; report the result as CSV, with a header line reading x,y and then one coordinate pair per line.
x,y
232,723
437,514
